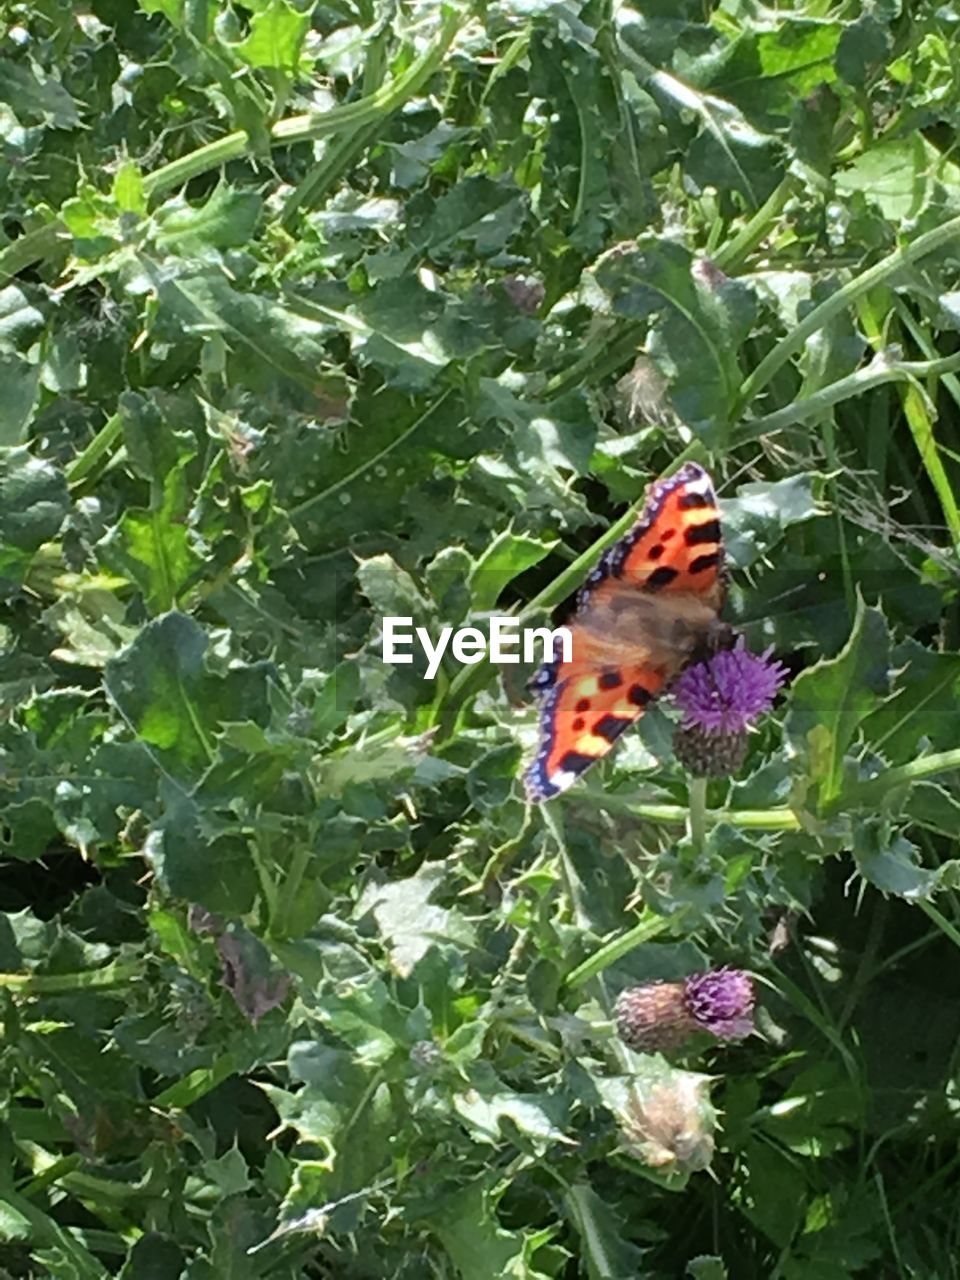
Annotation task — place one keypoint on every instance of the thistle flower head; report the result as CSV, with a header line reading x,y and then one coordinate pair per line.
x,y
661,1015
721,1001
729,691
653,1017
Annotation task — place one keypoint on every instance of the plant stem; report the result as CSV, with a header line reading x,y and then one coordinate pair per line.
x,y
942,923
101,446
820,316
677,815
309,127
280,922
731,256
51,984
697,827
919,413
880,370
649,926
31,248
862,793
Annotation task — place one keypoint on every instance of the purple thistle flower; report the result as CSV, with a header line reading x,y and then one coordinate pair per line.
x,y
729,691
721,1002
661,1015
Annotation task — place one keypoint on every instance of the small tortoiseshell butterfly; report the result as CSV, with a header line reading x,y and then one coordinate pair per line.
x,y
648,608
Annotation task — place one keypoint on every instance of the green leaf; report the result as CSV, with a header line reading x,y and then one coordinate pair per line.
x,y
154,547
20,320
728,152
19,384
923,706
489,1102
34,93
863,46
265,337
478,1246
409,922
223,880
830,701
507,556
889,861
707,1268
161,687
757,518
227,219
33,503
276,37
479,214
606,1252
172,10
391,589
127,188
903,177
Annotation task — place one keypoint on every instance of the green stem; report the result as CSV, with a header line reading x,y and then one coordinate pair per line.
x,y
50,984
820,316
281,920
309,127
503,855
732,255
31,248
101,446
647,927
46,1233
677,815
919,412
553,821
942,923
697,827
197,1084
863,793
879,371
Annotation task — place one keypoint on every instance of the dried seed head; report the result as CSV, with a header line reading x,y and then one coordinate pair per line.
x,y
669,1124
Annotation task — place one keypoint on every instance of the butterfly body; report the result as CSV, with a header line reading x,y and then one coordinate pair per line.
x,y
649,607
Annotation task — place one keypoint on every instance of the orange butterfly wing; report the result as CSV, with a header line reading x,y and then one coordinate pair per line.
x,y
642,613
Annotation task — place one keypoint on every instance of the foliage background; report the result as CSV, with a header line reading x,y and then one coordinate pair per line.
x,y
315,312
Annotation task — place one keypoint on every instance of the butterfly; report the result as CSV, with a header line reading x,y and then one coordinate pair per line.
x,y
650,606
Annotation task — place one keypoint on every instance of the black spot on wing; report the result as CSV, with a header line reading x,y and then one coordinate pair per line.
x,y
661,577
611,727
705,562
697,534
638,695
610,680
688,501
582,705
655,552
575,762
